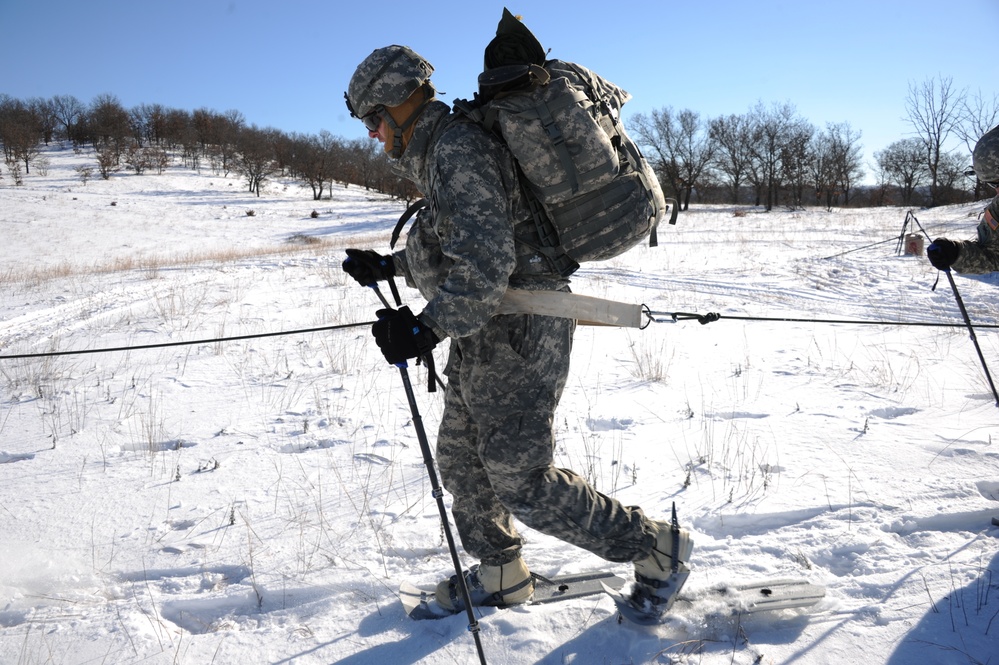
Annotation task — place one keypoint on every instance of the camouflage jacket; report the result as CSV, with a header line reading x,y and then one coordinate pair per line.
x,y
982,254
464,251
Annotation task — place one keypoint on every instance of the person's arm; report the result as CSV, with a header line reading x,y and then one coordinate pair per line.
x,y
982,254
475,232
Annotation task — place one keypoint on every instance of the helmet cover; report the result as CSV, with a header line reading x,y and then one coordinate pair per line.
x,y
387,77
985,157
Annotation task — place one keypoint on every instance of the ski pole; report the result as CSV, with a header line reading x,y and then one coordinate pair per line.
x,y
971,332
437,492
964,313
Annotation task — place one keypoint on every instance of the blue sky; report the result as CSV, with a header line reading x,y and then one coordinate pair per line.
x,y
285,63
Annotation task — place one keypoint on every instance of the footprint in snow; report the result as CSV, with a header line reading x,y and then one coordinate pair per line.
x,y
608,424
893,412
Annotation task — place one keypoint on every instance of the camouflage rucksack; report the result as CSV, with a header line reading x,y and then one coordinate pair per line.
x,y
592,193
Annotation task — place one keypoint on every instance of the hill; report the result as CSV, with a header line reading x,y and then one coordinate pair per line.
x,y
259,500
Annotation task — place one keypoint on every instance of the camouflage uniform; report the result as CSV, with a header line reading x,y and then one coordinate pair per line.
x,y
982,254
505,373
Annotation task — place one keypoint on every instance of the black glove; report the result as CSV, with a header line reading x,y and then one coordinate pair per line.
x,y
942,253
401,336
367,266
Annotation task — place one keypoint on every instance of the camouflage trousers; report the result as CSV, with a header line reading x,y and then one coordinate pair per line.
x,y
495,448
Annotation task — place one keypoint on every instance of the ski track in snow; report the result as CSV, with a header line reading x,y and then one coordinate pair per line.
x,y
261,500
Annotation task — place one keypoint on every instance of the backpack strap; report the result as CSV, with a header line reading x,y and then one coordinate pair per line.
x,y
414,208
545,113
549,245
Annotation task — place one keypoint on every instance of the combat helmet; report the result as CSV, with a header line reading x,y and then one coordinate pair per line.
x,y
985,158
387,78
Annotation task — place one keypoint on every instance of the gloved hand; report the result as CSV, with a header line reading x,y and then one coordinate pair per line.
x,y
367,266
401,336
942,253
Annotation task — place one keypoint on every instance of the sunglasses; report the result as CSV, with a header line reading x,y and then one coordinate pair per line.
x,y
373,118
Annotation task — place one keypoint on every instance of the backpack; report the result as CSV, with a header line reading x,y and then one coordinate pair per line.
x,y
591,193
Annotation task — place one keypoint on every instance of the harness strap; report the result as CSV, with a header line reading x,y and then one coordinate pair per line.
x,y
413,208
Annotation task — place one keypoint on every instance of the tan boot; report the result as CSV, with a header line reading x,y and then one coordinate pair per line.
x,y
659,576
509,584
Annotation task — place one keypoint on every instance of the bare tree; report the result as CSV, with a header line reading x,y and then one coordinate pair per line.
x,y
950,174
232,123
773,128
879,193
847,155
174,127
68,111
220,132
20,133
979,115
695,150
149,117
284,149
362,162
837,163
823,169
682,142
934,109
255,158
138,123
203,124
650,133
45,116
142,158
903,164
191,149
314,160
733,155
107,160
110,126
796,159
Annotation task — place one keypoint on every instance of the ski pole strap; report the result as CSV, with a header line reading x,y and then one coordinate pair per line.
x,y
432,379
395,292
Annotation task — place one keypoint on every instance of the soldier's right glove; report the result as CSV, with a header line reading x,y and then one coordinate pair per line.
x,y
942,253
367,266
401,335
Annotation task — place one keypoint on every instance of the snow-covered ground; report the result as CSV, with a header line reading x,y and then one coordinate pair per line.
x,y
260,500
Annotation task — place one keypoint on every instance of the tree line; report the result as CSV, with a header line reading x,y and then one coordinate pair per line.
x,y
772,156
148,137
769,156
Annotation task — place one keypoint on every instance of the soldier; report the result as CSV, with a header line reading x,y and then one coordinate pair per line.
x,y
982,254
505,372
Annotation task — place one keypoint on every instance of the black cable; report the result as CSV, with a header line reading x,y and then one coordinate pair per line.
x,y
712,316
162,345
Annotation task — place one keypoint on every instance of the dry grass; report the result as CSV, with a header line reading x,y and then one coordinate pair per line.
x,y
296,245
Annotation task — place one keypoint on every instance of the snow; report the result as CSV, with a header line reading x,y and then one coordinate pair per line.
x,y
260,500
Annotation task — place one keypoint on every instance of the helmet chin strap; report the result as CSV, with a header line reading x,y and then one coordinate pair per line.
x,y
398,130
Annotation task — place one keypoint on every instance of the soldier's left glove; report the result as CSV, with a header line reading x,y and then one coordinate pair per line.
x,y
401,336
367,266
942,253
